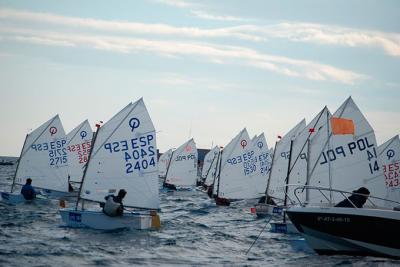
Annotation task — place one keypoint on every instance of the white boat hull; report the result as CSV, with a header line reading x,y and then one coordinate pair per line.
x,y
266,210
98,220
58,194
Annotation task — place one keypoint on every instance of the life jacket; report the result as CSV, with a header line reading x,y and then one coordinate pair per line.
x,y
28,192
112,208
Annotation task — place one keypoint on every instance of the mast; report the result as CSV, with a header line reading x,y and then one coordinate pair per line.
x,y
287,179
19,160
169,164
270,171
87,165
210,167
329,162
308,169
288,173
216,168
219,173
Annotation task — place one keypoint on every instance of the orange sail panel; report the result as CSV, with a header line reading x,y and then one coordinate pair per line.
x,y
342,126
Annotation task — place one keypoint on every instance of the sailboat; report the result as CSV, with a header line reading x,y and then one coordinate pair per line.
x,y
44,159
163,163
78,146
123,156
272,202
237,171
298,167
389,154
263,162
344,160
182,169
209,166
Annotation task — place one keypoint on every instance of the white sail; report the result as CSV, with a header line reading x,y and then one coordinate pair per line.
x,y
124,156
209,159
389,153
212,169
237,178
44,157
182,170
298,166
346,161
163,163
264,161
78,149
280,163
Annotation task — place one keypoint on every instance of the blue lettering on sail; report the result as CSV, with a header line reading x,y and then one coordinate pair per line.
x,y
248,161
56,151
138,153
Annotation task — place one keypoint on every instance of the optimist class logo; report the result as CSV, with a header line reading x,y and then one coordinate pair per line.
x,y
390,154
260,144
134,123
83,134
243,143
53,130
188,148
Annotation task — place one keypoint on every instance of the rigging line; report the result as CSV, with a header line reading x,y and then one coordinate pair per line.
x,y
117,127
215,155
309,135
80,127
270,171
262,230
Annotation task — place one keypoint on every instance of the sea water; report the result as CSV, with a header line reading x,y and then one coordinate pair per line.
x,y
194,232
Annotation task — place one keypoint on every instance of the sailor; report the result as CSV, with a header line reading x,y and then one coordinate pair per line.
x,y
357,199
113,206
28,191
268,200
70,188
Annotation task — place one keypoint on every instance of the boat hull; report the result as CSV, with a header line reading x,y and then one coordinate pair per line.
x,y
284,228
349,231
17,198
266,210
98,220
58,194
12,198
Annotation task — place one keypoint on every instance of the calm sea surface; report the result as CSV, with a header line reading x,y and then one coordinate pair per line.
x,y
194,233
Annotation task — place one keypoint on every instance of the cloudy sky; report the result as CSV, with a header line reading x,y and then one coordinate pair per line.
x,y
205,69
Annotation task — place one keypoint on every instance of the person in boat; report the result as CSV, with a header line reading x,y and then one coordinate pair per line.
x,y
28,191
268,200
357,199
70,188
113,206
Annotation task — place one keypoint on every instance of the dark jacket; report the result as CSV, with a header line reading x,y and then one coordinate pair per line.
x,y
28,192
357,200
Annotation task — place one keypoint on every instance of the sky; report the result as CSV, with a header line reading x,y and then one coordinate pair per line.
x,y
205,69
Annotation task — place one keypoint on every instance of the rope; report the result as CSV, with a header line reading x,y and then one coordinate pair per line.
x,y
262,230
